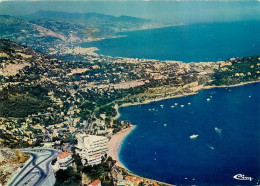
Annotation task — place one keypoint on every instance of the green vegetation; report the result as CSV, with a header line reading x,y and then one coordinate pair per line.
x,y
241,70
87,109
100,171
68,177
109,110
96,171
8,140
19,101
21,106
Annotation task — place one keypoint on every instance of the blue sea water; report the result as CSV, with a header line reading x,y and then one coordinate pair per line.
x,y
189,43
228,142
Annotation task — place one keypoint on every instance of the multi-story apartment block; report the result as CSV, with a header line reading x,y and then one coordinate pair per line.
x,y
91,148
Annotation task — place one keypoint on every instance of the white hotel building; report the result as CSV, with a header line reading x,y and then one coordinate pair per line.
x,y
91,148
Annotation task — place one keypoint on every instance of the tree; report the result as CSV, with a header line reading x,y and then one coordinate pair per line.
x,y
77,160
67,177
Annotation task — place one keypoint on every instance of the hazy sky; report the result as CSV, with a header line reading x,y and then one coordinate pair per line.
x,y
173,12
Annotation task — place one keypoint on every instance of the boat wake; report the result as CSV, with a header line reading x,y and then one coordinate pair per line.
x,y
209,146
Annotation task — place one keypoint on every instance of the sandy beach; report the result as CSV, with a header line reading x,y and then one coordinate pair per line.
x,y
115,142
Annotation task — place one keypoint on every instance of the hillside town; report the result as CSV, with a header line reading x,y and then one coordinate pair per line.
x,y
72,105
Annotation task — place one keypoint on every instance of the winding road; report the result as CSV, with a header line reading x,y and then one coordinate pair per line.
x,y
37,170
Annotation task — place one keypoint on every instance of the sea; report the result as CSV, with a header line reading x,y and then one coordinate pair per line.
x,y
202,139
198,42
201,31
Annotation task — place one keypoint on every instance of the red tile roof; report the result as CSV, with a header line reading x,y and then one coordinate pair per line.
x,y
96,182
64,155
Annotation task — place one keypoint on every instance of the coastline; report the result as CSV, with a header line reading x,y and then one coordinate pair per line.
x,y
117,112
118,34
115,143
178,96
117,139
114,146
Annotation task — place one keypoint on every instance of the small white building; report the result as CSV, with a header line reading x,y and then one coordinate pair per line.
x,y
91,148
48,144
64,160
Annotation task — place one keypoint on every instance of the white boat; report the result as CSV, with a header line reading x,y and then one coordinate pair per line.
x,y
164,125
172,106
218,131
189,103
212,148
175,103
194,136
208,99
182,105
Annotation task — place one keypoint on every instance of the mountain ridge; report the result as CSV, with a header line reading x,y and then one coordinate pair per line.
x,y
53,31
104,22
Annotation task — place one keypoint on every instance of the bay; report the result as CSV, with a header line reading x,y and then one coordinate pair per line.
x,y
188,43
164,145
